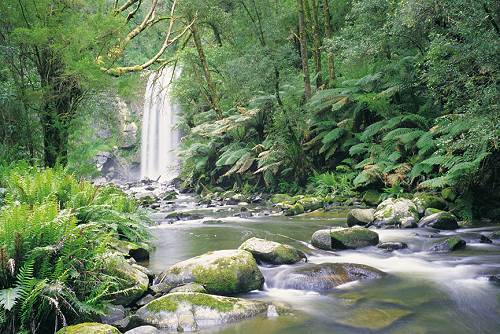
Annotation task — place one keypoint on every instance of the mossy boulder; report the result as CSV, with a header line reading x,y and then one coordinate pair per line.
x,y
186,312
344,238
439,220
310,203
430,211
372,197
223,272
281,198
293,209
145,199
426,200
360,217
139,252
89,328
448,245
322,277
396,212
190,287
134,282
272,252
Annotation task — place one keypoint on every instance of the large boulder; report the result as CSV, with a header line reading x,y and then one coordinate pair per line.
x,y
322,277
360,217
293,209
448,245
344,238
400,212
439,220
186,312
223,272
280,198
139,252
272,252
89,328
426,200
144,330
134,282
190,287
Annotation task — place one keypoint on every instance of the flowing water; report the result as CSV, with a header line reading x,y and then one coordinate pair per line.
x,y
160,137
423,292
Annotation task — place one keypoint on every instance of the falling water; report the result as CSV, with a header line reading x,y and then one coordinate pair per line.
x,y
160,137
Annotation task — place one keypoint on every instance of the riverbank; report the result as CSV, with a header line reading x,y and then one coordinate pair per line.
x,y
421,290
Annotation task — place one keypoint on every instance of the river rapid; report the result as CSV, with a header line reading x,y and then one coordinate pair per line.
x,y
423,292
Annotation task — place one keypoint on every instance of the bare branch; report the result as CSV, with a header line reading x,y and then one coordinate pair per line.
x,y
116,71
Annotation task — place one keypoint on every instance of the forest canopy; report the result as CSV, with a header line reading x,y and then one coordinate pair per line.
x,y
275,95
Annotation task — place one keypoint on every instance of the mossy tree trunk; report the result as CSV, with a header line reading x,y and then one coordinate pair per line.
x,y
61,95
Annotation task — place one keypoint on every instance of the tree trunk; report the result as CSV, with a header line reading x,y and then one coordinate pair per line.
x,y
303,50
327,19
212,91
61,96
314,9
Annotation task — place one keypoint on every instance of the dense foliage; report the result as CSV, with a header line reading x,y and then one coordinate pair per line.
x,y
54,234
285,96
411,100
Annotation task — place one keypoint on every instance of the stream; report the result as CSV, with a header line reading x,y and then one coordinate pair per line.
x,y
422,293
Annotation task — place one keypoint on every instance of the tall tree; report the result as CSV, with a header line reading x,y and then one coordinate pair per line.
x,y
303,49
327,22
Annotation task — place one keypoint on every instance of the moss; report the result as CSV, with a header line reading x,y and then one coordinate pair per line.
x,y
170,302
286,254
353,238
294,210
388,213
89,328
455,243
279,198
165,303
176,270
223,279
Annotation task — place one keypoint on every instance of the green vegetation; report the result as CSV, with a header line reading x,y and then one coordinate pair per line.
x,y
410,101
55,234
171,301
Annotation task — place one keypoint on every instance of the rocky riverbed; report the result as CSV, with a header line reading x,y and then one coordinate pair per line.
x,y
244,264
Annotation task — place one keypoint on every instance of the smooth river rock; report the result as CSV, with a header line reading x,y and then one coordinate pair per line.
x,y
425,201
187,312
223,272
322,277
439,220
392,246
272,252
144,330
344,238
448,245
89,328
396,212
133,284
360,217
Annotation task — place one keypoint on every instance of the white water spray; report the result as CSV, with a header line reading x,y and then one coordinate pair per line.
x,y
160,138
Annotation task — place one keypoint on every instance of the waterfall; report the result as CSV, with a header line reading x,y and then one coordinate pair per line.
x,y
160,137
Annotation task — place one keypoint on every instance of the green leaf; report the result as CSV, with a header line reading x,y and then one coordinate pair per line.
x,y
8,297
